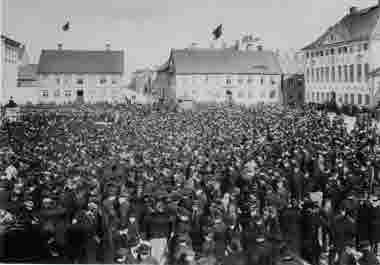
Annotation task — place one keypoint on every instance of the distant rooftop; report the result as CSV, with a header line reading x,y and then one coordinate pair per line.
x,y
222,61
10,41
81,62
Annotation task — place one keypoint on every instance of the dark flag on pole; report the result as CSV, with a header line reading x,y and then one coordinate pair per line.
x,y
218,32
66,27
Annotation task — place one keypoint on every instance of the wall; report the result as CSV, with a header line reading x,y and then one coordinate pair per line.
x,y
9,71
245,89
59,86
341,88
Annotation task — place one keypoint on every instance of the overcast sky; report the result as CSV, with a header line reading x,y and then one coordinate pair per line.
x,y
148,29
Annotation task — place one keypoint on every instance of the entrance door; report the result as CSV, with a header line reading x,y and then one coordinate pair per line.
x,y
80,98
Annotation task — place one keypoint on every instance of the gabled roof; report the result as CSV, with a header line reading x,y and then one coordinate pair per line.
x,y
355,26
27,72
222,61
81,62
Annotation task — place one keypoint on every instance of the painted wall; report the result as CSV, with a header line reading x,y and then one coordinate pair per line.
x,y
62,88
245,89
346,91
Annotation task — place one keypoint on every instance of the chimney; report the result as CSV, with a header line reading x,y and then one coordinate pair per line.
x,y
60,46
354,9
108,46
260,47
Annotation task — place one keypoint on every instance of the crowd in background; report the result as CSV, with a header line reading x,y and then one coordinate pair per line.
x,y
132,184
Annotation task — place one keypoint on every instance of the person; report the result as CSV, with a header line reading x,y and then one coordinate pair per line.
x,y
368,256
144,256
158,228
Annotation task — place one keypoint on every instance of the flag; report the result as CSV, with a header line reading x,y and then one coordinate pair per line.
x,y
66,27
218,32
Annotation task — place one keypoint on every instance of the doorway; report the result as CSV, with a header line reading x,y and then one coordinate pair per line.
x,y
80,98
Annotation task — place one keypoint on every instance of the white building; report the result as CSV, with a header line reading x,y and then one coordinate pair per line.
x,y
339,62
220,74
66,76
13,55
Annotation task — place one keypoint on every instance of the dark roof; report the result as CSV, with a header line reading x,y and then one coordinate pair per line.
x,y
27,72
223,61
81,62
10,41
355,26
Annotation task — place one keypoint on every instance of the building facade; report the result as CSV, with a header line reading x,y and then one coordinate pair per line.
x,y
293,82
220,74
340,61
13,55
67,76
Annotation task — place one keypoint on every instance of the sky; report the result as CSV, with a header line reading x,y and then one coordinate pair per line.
x,y
147,29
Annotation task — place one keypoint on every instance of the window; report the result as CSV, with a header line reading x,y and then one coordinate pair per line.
x,y
345,50
365,46
249,80
346,73
352,99
359,48
366,98
359,99
307,55
312,96
67,93
339,50
317,74
359,71
228,81
58,80
327,72
352,73
272,81
327,52
366,71
332,51
345,98
317,96
45,93
57,93
322,96
311,54
102,80
240,80
312,75
333,73
322,74
340,73
308,75
80,81
114,81
321,53
261,80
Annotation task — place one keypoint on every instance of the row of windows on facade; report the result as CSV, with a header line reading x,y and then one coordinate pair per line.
x,y
340,50
241,94
322,96
68,93
11,55
240,80
81,81
341,73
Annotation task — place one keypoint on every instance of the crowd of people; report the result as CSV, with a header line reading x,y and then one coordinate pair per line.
x,y
224,185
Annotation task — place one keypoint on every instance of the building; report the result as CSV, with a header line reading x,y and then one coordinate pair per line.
x,y
243,75
338,64
293,83
27,76
142,81
67,76
13,55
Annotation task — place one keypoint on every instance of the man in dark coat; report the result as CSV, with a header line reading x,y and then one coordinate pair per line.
x,y
290,222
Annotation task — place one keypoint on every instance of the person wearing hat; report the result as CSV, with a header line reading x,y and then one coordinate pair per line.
x,y
374,226
368,256
158,227
349,255
290,224
144,256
